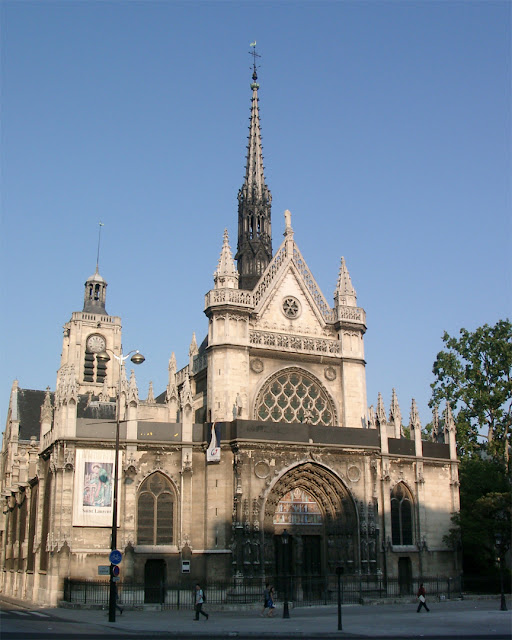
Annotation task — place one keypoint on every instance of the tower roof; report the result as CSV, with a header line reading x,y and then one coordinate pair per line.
x,y
254,183
96,277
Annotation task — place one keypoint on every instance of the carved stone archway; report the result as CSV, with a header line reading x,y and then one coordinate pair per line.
x,y
338,535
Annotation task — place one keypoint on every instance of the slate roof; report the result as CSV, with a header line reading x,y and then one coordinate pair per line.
x,y
30,402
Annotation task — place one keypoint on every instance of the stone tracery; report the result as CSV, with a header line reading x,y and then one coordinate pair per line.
x,y
294,395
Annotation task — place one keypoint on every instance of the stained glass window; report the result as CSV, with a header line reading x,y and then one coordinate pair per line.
x,y
297,507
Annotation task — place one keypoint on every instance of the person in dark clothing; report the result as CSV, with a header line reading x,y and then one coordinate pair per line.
x,y
268,602
422,598
199,603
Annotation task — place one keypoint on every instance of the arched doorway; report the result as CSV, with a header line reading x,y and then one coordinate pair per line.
x,y
320,517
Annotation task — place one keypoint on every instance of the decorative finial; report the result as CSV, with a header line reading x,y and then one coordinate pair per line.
x,y
254,84
98,252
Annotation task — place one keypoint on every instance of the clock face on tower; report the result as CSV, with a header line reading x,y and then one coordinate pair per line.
x,y
96,344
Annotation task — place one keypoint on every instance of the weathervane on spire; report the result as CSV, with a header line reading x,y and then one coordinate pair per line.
x,y
254,55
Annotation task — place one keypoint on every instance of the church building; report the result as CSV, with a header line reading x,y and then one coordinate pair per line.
x,y
265,430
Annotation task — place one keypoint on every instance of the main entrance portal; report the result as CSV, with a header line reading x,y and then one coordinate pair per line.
x,y
318,514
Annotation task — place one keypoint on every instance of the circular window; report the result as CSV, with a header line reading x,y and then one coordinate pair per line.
x,y
291,307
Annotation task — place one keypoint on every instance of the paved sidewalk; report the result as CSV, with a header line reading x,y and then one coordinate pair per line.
x,y
448,619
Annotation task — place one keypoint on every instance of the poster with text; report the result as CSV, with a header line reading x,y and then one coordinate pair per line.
x,y
94,488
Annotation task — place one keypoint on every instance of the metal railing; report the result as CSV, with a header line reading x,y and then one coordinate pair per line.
x,y
300,590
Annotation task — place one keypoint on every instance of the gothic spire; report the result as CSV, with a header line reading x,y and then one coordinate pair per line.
x,y
345,294
226,276
254,250
395,415
414,417
381,411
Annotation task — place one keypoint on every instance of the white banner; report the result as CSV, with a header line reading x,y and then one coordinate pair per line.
x,y
213,451
94,488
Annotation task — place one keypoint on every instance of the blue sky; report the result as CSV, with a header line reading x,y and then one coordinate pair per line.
x,y
386,131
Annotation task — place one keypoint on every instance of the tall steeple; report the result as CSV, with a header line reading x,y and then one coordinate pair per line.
x,y
254,250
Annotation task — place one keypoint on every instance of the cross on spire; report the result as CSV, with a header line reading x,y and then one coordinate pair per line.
x,y
254,66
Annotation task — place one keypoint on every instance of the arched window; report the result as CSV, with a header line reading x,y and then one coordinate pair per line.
x,y
155,511
293,395
401,515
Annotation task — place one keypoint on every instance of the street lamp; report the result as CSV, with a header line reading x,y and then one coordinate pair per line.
x,y
498,536
339,573
285,539
137,358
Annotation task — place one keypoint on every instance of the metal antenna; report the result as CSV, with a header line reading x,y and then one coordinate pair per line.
x,y
99,241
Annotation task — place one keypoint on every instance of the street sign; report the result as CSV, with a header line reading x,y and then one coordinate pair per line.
x,y
115,556
115,571
103,569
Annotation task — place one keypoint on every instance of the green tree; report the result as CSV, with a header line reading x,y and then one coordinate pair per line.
x,y
485,509
474,374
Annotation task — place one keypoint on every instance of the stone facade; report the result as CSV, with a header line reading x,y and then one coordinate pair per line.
x,y
279,385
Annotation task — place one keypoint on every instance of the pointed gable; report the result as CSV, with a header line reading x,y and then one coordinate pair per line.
x,y
288,276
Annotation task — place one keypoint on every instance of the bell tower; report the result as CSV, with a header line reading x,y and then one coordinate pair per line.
x,y
254,249
88,333
95,294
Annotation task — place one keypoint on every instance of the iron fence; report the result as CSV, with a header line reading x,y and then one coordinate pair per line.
x,y
299,590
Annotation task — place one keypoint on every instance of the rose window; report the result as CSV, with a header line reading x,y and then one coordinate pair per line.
x,y
293,395
291,307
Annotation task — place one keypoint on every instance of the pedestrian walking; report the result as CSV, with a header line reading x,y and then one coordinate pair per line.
x,y
268,602
422,598
199,603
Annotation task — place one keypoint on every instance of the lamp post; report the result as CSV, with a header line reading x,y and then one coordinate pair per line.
x,y
498,536
285,539
339,573
137,358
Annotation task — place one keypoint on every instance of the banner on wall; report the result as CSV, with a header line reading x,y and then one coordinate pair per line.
x,y
94,488
213,451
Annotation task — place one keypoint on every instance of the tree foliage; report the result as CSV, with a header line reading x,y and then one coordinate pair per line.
x,y
474,374
485,510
